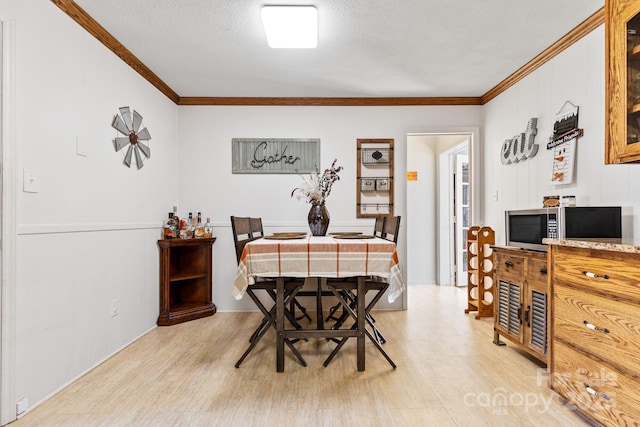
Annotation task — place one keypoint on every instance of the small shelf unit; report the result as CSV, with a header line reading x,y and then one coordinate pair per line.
x,y
185,280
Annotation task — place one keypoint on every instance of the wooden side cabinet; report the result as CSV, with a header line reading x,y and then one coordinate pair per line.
x,y
596,331
185,280
521,310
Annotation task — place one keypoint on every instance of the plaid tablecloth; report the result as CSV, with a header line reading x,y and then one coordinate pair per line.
x,y
320,256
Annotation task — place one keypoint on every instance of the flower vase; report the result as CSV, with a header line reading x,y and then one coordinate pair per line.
x,y
318,219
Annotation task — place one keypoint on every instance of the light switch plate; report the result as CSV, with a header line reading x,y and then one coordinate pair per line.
x,y
30,181
81,148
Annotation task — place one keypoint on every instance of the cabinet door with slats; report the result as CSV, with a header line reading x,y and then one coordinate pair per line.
x,y
509,309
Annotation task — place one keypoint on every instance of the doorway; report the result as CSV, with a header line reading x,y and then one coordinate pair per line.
x,y
436,237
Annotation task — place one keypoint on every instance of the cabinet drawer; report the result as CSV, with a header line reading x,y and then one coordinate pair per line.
x,y
509,266
537,271
595,389
608,274
617,339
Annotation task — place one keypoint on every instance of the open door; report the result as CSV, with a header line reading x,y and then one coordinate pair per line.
x,y
462,217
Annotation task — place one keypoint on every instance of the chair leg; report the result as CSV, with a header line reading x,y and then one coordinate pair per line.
x,y
292,307
348,307
332,312
269,317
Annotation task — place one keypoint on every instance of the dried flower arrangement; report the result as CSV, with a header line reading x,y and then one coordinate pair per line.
x,y
316,188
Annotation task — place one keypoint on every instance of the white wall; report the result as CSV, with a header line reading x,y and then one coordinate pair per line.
x,y
422,203
89,235
576,75
207,184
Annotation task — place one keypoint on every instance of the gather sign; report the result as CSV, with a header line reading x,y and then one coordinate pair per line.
x,y
521,146
275,155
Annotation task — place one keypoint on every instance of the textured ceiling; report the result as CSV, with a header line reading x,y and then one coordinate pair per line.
x,y
366,48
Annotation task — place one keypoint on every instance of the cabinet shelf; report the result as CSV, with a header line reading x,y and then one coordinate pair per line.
x,y
635,108
187,276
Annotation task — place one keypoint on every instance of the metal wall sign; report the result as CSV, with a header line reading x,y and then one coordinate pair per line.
x,y
275,155
521,146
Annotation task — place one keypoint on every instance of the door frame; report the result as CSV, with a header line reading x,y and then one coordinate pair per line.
x,y
475,164
8,227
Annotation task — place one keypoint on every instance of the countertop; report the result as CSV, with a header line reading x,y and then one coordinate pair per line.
x,y
616,245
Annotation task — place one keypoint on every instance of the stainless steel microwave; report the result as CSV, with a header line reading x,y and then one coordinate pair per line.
x,y
527,228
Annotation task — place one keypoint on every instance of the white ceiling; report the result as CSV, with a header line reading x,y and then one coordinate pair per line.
x,y
366,48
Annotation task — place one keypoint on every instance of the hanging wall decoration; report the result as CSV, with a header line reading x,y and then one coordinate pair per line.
x,y
129,125
275,155
563,143
521,146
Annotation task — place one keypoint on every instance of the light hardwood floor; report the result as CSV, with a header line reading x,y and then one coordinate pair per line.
x,y
449,374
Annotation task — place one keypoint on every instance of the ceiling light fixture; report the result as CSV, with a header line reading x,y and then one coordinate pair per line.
x,y
291,26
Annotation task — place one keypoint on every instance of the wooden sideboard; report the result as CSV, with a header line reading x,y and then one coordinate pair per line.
x,y
521,308
594,362
185,280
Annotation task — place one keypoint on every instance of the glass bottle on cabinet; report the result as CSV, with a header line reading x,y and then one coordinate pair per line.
x,y
623,81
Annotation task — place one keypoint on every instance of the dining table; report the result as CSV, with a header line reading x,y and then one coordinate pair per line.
x,y
346,256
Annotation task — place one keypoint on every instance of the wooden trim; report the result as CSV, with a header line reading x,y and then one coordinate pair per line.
x,y
324,102
94,28
99,32
584,28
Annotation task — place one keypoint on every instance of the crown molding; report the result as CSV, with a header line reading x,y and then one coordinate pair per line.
x,y
92,26
99,32
325,102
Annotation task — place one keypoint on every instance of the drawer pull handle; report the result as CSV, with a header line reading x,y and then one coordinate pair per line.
x,y
594,327
594,275
595,393
543,271
508,263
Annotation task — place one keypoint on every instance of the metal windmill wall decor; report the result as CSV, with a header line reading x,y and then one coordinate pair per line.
x,y
129,125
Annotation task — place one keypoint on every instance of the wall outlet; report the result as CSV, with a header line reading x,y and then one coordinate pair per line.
x,y
114,308
21,406
30,181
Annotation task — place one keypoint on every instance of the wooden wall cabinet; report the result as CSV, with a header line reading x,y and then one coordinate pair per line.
x,y
595,328
185,280
521,309
622,39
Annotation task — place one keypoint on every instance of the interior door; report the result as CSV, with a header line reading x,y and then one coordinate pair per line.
x,y
462,217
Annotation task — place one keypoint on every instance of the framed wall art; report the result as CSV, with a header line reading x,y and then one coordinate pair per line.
x,y
275,155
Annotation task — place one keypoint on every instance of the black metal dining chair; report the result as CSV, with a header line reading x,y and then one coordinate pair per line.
x,y
390,229
245,230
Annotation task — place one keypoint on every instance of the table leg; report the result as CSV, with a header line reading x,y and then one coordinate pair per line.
x,y
361,323
279,324
319,316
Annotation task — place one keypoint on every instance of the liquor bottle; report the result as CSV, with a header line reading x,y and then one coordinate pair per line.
x,y
208,229
169,232
186,227
198,231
